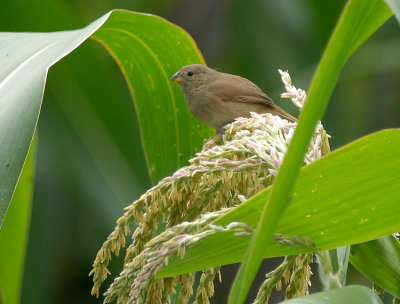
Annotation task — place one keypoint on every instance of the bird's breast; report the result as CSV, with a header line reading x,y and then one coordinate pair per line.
x,y
211,112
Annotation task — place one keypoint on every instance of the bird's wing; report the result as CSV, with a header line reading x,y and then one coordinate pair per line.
x,y
238,89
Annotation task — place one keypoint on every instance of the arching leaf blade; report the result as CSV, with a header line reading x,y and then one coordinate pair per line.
x,y
149,50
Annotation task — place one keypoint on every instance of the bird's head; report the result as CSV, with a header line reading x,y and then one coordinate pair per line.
x,y
193,76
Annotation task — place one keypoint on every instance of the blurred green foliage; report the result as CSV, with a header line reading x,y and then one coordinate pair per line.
x,y
78,192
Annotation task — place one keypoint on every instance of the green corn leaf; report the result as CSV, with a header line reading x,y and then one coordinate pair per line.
x,y
379,260
149,50
14,234
348,295
395,7
23,70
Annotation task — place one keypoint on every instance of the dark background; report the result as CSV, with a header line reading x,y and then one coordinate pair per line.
x,y
78,191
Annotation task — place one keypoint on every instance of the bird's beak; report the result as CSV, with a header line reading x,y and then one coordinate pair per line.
x,y
176,77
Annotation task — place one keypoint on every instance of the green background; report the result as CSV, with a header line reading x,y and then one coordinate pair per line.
x,y
78,196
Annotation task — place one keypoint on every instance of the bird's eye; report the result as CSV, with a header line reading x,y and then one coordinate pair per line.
x,y
190,73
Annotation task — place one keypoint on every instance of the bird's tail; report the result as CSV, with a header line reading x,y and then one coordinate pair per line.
x,y
282,113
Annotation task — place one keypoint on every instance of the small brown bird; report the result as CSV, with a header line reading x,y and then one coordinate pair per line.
x,y
216,98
